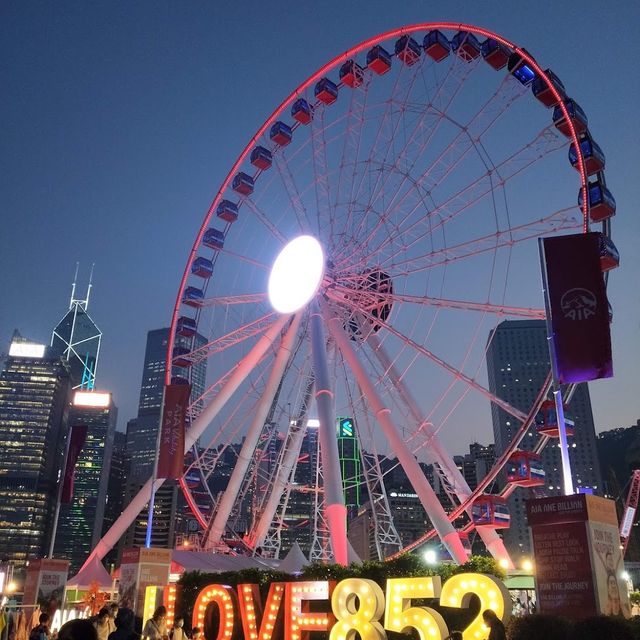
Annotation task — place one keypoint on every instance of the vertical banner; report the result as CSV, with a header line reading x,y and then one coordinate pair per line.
x,y
171,455
577,308
142,568
579,568
77,437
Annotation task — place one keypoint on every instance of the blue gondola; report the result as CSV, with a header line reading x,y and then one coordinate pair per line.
x,y
179,357
227,211
351,74
490,511
280,133
542,92
202,267
609,256
192,296
302,111
378,60
407,50
242,184
591,153
520,69
466,46
547,421
436,45
576,115
326,91
213,239
192,478
186,327
524,469
495,54
261,158
179,380
602,204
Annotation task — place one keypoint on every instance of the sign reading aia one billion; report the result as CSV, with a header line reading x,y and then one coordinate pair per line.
x,y
353,606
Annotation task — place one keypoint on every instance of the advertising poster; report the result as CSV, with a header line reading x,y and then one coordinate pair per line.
x,y
141,568
577,556
602,529
44,584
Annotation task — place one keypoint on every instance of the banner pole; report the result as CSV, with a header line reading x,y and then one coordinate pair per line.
x,y
154,475
567,477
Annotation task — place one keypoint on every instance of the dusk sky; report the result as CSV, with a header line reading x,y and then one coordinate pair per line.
x,y
121,119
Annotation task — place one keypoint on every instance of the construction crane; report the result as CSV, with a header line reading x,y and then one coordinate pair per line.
x,y
630,510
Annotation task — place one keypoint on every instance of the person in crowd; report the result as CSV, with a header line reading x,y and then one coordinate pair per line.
x,y
196,634
125,626
177,632
78,630
41,631
113,612
496,628
101,623
156,627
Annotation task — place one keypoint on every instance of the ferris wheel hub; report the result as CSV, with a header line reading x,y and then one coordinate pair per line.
x,y
296,274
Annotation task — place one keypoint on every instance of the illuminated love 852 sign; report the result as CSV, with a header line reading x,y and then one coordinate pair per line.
x,y
359,608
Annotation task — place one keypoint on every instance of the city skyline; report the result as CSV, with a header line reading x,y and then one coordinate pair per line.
x,y
195,145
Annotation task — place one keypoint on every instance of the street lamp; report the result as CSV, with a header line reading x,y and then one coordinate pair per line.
x,y
430,556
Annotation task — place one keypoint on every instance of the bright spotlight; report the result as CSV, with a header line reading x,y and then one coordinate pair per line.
x,y
296,274
11,587
430,556
504,563
527,565
625,575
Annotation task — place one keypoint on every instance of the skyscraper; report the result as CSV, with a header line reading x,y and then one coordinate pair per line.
x,y
142,436
517,365
34,393
76,339
80,522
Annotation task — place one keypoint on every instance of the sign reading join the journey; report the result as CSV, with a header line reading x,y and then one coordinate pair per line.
x,y
341,610
578,564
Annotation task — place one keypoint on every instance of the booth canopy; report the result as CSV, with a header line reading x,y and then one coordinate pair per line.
x,y
90,574
213,562
294,561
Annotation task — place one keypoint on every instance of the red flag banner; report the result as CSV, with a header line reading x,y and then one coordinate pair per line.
x,y
77,437
578,308
171,455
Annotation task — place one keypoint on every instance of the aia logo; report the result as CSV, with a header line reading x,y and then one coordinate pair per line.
x,y
578,304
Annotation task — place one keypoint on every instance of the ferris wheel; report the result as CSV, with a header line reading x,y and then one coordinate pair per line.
x,y
372,233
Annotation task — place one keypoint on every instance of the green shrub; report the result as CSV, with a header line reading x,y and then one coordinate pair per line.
x,y
538,627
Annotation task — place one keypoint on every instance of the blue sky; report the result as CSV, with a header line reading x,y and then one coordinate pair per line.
x,y
121,119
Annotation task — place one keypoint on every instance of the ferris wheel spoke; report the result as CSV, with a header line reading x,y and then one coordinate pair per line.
x,y
544,143
419,138
454,371
351,145
231,339
563,220
293,193
452,155
321,172
264,219
225,301
371,301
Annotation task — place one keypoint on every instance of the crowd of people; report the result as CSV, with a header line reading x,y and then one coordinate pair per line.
x,y
114,623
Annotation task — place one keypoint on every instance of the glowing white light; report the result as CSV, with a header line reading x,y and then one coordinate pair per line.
x,y
91,399
504,563
26,350
625,575
296,274
430,556
314,423
527,565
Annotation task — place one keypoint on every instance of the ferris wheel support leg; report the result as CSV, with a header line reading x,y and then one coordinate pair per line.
x,y
437,453
197,428
334,507
247,452
448,535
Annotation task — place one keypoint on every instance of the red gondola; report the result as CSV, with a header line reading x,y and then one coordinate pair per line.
x,y
524,469
547,421
609,256
408,50
490,511
378,60
351,74
179,357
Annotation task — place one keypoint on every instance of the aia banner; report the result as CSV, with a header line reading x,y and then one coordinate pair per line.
x,y
578,308
77,437
171,455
